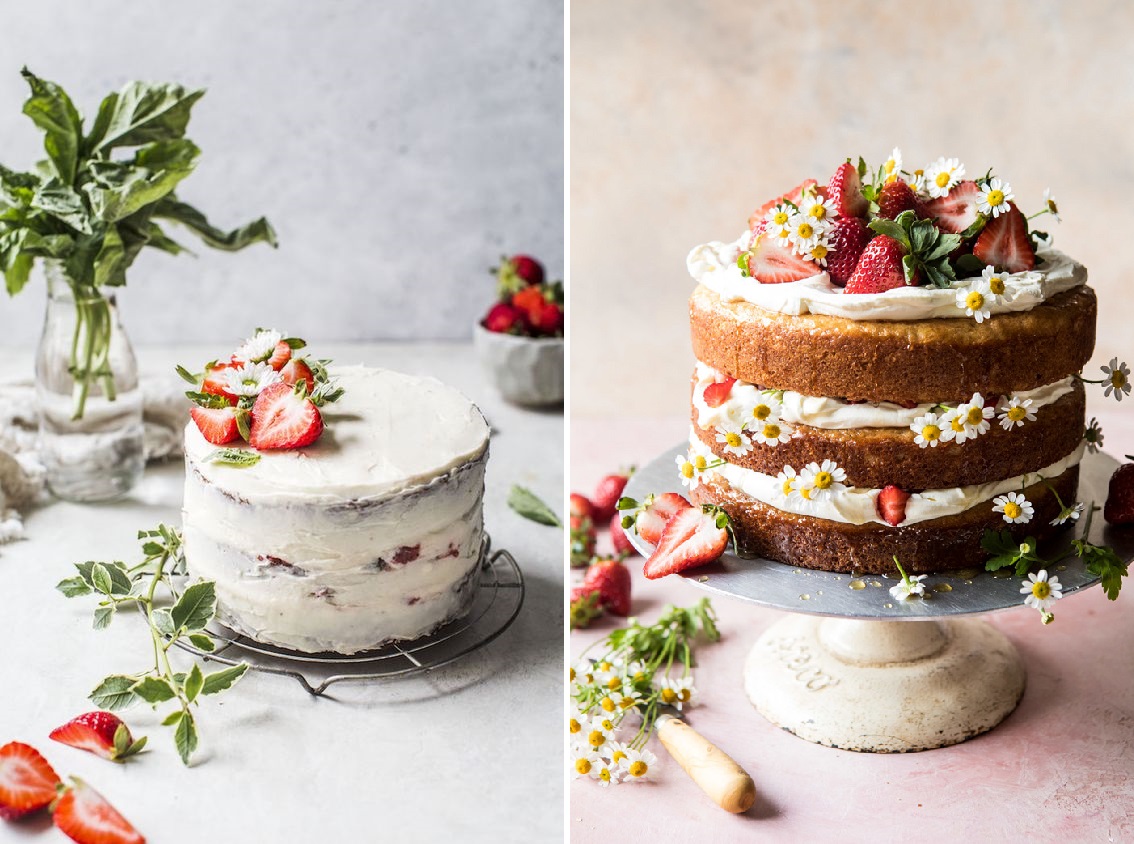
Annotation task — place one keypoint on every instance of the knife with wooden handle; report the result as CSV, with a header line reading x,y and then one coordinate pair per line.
x,y
715,772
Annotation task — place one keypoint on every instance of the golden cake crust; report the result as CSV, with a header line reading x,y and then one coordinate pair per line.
x,y
944,544
933,360
875,457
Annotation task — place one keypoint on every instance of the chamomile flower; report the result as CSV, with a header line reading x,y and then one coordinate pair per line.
x,y
677,693
820,211
788,480
975,301
596,735
767,408
916,181
908,587
994,282
778,219
1042,591
1015,508
804,233
1050,206
1014,412
1093,435
689,475
942,175
927,430
582,673
995,198
617,752
818,253
249,379
260,346
892,166
1068,514
975,416
1118,378
734,439
584,760
637,764
577,725
771,433
606,773
821,480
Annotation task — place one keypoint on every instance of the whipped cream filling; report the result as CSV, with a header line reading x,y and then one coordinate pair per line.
x,y
858,506
714,265
826,412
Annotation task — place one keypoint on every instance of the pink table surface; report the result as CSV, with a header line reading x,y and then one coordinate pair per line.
x,y
1060,768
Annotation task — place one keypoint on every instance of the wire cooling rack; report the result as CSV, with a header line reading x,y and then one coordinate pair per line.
x,y
495,606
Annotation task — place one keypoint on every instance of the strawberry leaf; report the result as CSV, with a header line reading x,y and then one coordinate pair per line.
x,y
114,692
218,681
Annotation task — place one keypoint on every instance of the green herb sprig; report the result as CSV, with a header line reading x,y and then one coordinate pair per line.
x,y
527,504
1006,551
1101,560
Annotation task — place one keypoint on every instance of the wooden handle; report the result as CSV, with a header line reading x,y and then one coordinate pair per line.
x,y
727,784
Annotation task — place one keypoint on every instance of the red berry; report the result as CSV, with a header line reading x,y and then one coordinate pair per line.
x,y
102,733
85,816
1119,509
845,190
216,424
529,302
549,319
849,236
957,210
611,579
651,520
716,393
607,493
691,538
585,607
618,538
581,506
527,268
215,382
896,197
297,370
281,419
502,318
27,781
795,195
880,267
1004,243
891,505
770,263
280,356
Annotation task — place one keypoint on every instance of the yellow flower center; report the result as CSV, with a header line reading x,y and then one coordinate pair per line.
x,y
607,704
604,775
1118,379
1012,510
687,469
583,766
572,674
819,252
931,433
626,703
605,666
668,695
805,494
596,739
817,211
638,769
974,301
823,480
640,677
975,416
1017,413
614,683
958,424
733,439
996,285
780,218
607,725
789,485
700,462
1041,589
805,231
684,695
1051,206
942,178
617,757
574,725
772,431
918,173
995,198
889,166
761,412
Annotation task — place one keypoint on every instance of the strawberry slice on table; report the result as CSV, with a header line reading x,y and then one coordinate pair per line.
x,y
296,370
280,356
605,499
102,733
1004,243
27,780
879,268
770,263
891,505
845,191
216,424
693,537
795,195
849,237
896,197
611,579
716,393
282,418
957,210
85,816
651,520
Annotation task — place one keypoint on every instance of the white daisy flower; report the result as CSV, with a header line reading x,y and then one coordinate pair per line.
x,y
249,379
1049,203
975,416
1042,591
771,433
1014,412
1118,375
1094,436
995,198
1068,514
734,439
606,773
952,425
916,181
908,587
577,725
582,673
260,346
637,764
689,475
819,252
927,430
788,480
975,301
892,167
804,233
778,219
767,408
819,481
584,760
596,736
1016,509
677,693
995,283
820,211
942,175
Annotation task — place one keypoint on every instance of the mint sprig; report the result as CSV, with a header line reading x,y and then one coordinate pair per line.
x,y
1006,551
927,247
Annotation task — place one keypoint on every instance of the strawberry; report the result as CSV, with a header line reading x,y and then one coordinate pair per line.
x,y
1119,509
27,781
611,579
216,424
651,520
581,506
691,538
527,268
622,544
717,393
607,493
83,815
280,356
848,238
502,318
102,733
956,211
845,189
215,382
880,267
283,419
582,540
529,302
891,505
296,370
585,607
896,197
548,319
770,263
1004,243
795,195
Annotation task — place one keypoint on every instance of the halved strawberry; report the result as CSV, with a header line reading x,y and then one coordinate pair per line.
x,y
85,816
770,263
283,419
650,522
1004,243
216,424
691,538
27,780
102,733
956,211
896,197
845,190
611,579
215,382
296,370
848,238
716,393
891,505
880,267
280,356
795,195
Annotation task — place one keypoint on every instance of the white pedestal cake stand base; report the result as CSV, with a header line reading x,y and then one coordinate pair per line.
x,y
855,669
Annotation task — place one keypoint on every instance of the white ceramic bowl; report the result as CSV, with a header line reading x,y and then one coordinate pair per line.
x,y
526,370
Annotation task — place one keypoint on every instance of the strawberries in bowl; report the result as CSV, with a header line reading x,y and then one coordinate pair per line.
x,y
528,306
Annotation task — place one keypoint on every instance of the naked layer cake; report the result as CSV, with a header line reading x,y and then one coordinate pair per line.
x,y
888,366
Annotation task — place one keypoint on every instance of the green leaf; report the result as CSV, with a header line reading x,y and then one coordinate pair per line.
x,y
255,232
154,690
103,616
142,112
218,681
100,579
969,265
527,504
172,718
239,457
186,737
186,375
1101,560
196,606
203,643
73,586
193,683
945,244
51,110
163,621
119,189
115,692
891,229
64,204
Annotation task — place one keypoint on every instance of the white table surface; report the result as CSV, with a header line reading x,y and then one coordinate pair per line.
x,y
469,753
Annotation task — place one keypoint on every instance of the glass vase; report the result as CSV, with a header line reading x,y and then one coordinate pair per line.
x,y
89,402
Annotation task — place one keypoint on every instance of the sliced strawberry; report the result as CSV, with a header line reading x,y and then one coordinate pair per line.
x,y
896,197
845,190
27,781
280,356
691,538
770,263
848,238
618,539
795,195
1004,243
283,419
607,493
716,393
880,267
215,382
85,816
611,579
891,505
581,506
216,424
296,370
956,211
651,520
102,733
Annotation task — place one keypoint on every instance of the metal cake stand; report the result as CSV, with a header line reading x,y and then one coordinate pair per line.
x,y
495,606
853,668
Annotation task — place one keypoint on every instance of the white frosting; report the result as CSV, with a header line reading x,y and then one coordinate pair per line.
x,y
714,265
857,506
830,413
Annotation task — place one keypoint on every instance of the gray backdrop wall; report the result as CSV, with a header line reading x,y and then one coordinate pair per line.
x,y
399,147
